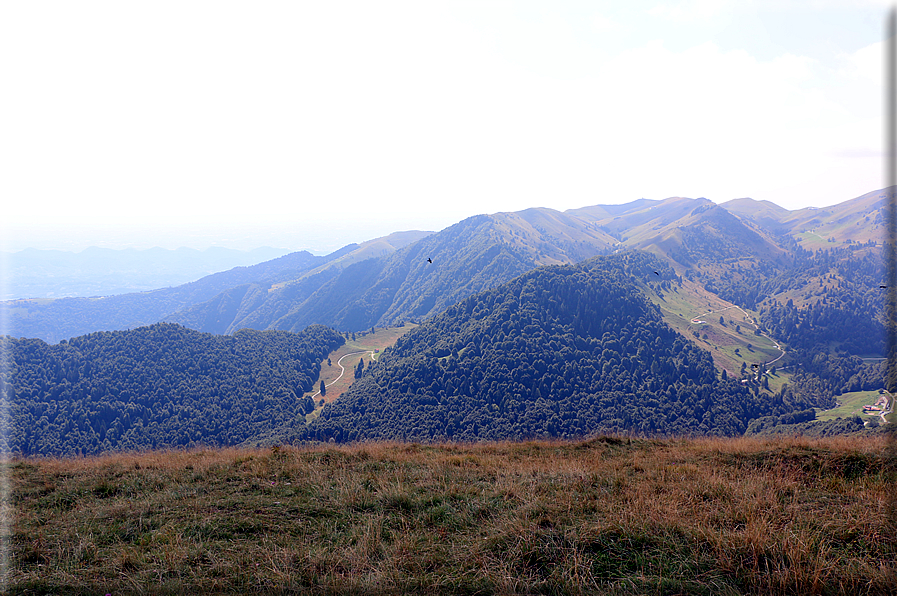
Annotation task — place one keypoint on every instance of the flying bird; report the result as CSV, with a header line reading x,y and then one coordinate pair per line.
x,y
656,273
429,260
882,286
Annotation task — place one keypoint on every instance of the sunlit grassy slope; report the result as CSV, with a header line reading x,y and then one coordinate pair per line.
x,y
729,347
849,404
603,516
365,346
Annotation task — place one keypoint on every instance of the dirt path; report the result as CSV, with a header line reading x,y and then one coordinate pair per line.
x,y
347,356
697,320
889,407
339,363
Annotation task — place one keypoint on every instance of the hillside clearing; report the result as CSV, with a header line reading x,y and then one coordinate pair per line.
x,y
365,346
850,404
730,348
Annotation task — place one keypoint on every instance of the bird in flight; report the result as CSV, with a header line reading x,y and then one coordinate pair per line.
x,y
429,260
882,286
656,273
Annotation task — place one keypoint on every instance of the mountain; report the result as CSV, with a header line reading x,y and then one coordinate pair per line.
x,y
747,255
473,255
105,272
856,221
53,320
562,351
160,386
741,280
765,213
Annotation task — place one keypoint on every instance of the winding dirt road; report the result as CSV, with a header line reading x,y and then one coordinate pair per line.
x,y
697,320
339,363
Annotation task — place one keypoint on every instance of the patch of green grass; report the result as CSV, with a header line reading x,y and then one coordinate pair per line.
x,y
778,380
729,348
849,404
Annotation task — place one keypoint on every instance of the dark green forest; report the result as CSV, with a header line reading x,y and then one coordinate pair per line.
x,y
158,387
845,312
562,351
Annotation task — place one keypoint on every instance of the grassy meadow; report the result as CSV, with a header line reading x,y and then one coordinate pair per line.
x,y
366,346
850,404
729,348
602,516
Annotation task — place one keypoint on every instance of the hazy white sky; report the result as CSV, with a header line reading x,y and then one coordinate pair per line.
x,y
188,123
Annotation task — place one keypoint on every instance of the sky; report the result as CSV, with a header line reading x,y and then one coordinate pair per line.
x,y
309,125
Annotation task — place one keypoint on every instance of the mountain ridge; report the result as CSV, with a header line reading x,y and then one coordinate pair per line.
x,y
732,252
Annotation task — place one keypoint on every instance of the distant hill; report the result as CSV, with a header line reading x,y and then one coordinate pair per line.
x,y
563,351
753,255
693,235
105,272
855,221
766,213
160,386
53,320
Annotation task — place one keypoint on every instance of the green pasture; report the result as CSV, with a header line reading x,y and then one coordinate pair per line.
x,y
849,404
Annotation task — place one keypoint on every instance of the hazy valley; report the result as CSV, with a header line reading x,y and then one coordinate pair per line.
x,y
34,273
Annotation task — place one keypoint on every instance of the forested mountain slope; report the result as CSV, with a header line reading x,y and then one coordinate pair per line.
x,y
158,387
829,297
478,253
561,351
812,293
699,239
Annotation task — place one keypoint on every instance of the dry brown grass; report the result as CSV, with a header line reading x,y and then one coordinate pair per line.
x,y
609,515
